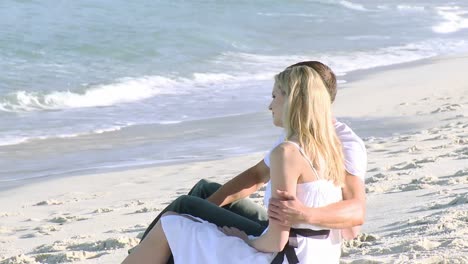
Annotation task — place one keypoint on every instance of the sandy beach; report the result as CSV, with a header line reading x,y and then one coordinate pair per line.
x,y
413,119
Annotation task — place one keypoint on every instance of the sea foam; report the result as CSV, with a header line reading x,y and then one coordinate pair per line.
x,y
125,90
411,8
345,62
455,19
353,6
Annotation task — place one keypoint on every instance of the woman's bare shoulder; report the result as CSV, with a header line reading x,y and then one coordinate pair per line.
x,y
286,151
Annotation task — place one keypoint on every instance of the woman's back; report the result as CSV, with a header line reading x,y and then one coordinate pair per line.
x,y
317,192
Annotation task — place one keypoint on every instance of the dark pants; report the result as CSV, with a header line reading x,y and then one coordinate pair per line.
x,y
243,214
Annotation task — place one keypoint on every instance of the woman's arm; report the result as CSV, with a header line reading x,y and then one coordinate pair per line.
x,y
284,174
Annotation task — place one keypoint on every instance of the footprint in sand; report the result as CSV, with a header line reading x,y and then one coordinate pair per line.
x,y
362,240
66,251
450,125
461,172
146,210
439,137
460,141
377,188
374,169
404,166
48,202
462,153
18,259
405,173
135,228
447,108
458,200
56,246
413,187
449,155
426,160
459,180
31,235
47,229
454,220
102,210
441,222
374,183
425,180
417,184
134,203
74,256
377,147
66,219
132,229
369,139
379,177
108,244
434,131
458,243
402,138
411,245
412,149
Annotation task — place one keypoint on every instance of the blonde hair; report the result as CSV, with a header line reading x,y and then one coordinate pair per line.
x,y
307,114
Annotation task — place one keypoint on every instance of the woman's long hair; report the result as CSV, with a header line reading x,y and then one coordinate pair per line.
x,y
307,114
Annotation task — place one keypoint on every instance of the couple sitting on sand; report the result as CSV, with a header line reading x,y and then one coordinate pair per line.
x,y
315,195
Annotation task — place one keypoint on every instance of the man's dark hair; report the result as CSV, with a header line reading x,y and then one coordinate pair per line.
x,y
327,75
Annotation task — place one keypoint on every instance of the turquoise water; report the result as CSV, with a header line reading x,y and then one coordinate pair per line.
x,y
92,68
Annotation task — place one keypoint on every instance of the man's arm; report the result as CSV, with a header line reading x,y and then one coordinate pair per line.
x,y
354,193
242,185
345,214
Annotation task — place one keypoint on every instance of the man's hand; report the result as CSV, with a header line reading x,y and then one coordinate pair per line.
x,y
286,210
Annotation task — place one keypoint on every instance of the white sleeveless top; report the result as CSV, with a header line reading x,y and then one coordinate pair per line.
x,y
317,193
203,243
354,150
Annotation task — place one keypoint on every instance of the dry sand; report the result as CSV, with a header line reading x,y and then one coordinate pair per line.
x,y
413,119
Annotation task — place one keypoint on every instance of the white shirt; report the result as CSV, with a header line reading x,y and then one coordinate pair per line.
x,y
354,150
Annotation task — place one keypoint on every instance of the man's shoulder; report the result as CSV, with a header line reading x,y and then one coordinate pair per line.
x,y
354,150
348,137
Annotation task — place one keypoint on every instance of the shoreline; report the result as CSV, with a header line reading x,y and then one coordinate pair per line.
x,y
359,124
215,131
414,128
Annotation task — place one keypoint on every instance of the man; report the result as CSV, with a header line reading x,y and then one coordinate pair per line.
x,y
224,205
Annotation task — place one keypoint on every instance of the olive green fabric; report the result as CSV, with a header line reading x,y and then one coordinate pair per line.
x,y
243,214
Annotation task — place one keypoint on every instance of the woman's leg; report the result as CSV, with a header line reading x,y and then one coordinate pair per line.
x,y
153,249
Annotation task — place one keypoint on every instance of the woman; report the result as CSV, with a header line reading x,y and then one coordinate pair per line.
x,y
309,163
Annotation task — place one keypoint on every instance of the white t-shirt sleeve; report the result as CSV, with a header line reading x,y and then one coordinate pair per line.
x,y
354,150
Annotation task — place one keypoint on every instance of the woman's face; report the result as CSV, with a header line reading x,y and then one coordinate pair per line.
x,y
276,106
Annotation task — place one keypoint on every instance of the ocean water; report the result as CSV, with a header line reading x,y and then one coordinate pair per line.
x,y
99,84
